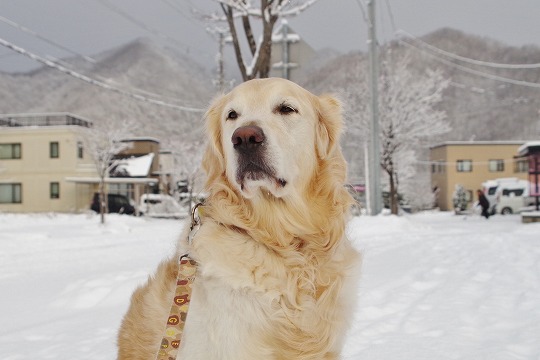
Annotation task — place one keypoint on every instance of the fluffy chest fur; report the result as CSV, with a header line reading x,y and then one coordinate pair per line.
x,y
252,302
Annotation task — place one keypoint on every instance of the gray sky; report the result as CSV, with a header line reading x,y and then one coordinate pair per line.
x,y
91,26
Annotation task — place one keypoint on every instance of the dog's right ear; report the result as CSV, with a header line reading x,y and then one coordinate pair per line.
x,y
213,160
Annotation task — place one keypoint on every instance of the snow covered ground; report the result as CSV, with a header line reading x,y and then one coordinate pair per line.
x,y
435,286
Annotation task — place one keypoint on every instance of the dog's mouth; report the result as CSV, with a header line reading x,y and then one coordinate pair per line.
x,y
254,170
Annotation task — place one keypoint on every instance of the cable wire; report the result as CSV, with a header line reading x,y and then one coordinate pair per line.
x,y
475,72
149,29
43,38
391,15
468,60
179,10
89,80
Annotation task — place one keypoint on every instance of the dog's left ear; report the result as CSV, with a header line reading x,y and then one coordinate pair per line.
x,y
329,125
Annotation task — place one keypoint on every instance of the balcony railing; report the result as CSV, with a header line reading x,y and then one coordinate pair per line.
x,y
16,120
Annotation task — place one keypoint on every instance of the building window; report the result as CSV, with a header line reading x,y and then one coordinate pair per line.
x,y
80,151
521,166
441,167
464,165
10,194
55,190
10,151
469,196
54,150
496,165
437,167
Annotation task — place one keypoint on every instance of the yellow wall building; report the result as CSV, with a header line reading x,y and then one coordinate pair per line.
x,y
37,154
45,168
470,163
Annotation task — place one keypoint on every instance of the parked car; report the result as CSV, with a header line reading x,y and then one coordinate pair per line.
x,y
161,205
506,194
513,201
116,203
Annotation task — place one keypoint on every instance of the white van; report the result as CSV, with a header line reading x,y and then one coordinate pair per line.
x,y
161,205
506,195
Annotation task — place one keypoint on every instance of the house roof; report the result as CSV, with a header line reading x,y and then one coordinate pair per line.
x,y
97,180
530,147
141,138
135,166
473,143
43,119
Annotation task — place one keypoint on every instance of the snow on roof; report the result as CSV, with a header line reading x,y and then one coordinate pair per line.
x,y
97,180
142,138
291,37
523,149
136,166
496,142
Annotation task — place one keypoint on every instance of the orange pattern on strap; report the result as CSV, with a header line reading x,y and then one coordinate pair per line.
x,y
179,307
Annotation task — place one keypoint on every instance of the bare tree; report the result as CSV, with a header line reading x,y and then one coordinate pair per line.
x,y
260,48
103,142
407,115
187,160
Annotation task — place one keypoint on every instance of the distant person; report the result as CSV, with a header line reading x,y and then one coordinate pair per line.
x,y
484,203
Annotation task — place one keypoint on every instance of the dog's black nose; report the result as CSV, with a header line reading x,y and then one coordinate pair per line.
x,y
247,137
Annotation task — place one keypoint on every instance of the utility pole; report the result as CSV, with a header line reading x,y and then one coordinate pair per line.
x,y
221,70
374,176
223,37
286,39
285,50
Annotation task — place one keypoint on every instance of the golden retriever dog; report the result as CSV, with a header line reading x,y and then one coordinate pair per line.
x,y
276,275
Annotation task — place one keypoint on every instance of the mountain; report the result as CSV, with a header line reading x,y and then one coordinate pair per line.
x,y
500,104
140,68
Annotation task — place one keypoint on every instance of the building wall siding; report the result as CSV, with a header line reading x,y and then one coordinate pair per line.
x,y
36,169
480,154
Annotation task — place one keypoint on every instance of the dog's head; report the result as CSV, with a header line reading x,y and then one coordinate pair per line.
x,y
270,136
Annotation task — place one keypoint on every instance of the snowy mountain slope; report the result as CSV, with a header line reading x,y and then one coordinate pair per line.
x,y
139,67
478,107
433,285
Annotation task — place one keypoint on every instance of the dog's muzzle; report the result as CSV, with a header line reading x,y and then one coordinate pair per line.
x,y
249,142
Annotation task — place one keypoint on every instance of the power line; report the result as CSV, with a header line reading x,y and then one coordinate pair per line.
x,y
454,163
179,10
391,15
43,38
362,7
89,80
147,28
475,72
61,62
468,60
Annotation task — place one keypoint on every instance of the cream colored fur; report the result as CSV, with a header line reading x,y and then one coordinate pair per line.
x,y
276,275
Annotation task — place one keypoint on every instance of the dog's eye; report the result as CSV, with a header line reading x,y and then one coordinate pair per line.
x,y
285,109
232,115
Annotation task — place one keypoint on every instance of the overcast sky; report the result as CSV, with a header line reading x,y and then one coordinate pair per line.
x,y
91,26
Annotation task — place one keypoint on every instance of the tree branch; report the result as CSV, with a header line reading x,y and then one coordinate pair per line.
x,y
249,35
229,13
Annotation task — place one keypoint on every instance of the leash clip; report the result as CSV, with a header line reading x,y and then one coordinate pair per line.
x,y
195,223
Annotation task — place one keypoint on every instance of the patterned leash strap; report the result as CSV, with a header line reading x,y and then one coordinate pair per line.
x,y
182,297
179,308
